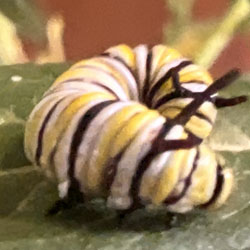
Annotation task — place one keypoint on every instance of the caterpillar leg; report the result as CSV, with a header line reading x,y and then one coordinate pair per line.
x,y
170,217
122,214
73,198
58,206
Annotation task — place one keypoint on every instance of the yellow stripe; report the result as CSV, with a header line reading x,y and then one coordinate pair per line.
x,y
203,179
227,189
71,73
32,128
79,64
125,52
51,137
168,56
163,55
158,51
166,88
104,66
186,166
129,131
170,112
169,177
208,109
196,125
149,182
87,73
113,125
199,127
194,73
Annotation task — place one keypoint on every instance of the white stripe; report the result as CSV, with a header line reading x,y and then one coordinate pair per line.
x,y
141,53
122,69
165,68
49,98
119,196
162,159
86,147
64,144
194,87
161,162
157,53
45,159
81,86
49,102
185,204
59,109
101,132
207,108
95,75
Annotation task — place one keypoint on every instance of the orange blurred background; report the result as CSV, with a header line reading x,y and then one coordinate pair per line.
x,y
94,25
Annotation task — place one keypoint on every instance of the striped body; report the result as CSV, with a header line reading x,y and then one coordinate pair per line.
x,y
99,122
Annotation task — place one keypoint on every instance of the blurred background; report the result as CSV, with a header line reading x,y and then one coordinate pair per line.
x,y
57,30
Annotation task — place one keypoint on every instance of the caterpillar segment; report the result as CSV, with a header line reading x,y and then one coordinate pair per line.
x,y
128,126
172,76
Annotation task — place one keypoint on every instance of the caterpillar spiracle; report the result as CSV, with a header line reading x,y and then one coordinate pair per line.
x,y
128,125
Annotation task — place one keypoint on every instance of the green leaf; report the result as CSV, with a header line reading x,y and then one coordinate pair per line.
x,y
232,132
21,87
25,195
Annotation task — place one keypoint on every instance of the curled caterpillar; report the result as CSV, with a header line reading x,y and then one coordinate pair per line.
x,y
128,125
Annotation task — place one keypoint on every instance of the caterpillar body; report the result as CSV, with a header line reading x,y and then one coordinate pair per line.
x,y
128,125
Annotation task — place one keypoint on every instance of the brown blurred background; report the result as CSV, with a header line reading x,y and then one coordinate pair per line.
x,y
93,25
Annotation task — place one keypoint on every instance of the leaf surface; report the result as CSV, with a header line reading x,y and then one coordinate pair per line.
x,y
25,194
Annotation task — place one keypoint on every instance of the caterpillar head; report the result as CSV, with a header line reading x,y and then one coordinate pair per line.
x,y
198,112
223,187
208,184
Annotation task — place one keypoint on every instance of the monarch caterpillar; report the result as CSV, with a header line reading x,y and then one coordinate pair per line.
x,y
128,125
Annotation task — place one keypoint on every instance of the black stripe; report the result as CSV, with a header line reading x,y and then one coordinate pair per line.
x,y
166,98
117,58
78,135
202,116
83,80
183,93
98,68
144,164
120,60
133,75
111,166
111,170
218,188
101,70
219,84
41,133
147,78
163,79
165,145
172,199
198,114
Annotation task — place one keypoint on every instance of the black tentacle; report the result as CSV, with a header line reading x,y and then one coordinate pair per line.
x,y
183,117
221,102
